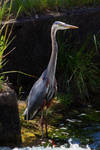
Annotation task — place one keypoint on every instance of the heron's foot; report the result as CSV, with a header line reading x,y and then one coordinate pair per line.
x,y
42,125
42,134
46,134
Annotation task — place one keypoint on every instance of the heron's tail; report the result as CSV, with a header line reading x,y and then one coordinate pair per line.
x,y
30,116
26,114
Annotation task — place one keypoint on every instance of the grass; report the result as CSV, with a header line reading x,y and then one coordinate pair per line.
x,y
79,72
35,6
5,35
3,10
31,7
4,38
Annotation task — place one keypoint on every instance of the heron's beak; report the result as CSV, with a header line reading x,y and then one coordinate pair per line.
x,y
71,27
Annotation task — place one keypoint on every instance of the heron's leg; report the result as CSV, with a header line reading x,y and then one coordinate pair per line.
x,y
46,123
42,121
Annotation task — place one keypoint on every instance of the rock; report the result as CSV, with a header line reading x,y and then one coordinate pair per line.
x,y
10,133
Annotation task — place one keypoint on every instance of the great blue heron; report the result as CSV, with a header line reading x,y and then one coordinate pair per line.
x,y
45,87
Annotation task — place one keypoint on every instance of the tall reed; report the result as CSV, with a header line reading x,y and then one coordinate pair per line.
x,y
79,72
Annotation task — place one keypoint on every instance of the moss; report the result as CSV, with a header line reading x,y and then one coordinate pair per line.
x,y
62,124
31,130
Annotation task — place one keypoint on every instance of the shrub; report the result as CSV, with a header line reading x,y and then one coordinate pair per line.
x,y
79,73
29,7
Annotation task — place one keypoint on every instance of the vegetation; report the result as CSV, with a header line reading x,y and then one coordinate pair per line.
x,y
4,38
30,7
79,71
37,5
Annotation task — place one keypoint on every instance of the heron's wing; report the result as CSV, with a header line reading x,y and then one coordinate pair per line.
x,y
36,97
51,91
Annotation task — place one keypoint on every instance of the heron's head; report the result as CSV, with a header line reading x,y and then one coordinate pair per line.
x,y
58,25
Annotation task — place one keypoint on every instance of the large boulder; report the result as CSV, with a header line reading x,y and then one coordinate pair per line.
x,y
10,134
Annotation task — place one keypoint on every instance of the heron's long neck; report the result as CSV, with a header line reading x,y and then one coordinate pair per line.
x,y
53,58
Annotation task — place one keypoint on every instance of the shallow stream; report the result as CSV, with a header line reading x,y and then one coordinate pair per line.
x,y
78,131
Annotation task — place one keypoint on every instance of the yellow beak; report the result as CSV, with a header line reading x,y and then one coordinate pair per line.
x,y
71,27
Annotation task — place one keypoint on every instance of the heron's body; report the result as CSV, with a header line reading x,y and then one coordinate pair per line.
x,y
40,95
45,87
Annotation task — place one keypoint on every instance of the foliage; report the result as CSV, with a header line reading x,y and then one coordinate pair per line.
x,y
4,37
29,7
84,72
65,98
26,6
5,40
3,9
2,62
78,70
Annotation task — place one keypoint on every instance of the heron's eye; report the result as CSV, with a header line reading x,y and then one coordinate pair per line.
x,y
60,25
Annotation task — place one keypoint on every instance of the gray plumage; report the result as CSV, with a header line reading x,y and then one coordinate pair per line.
x,y
41,90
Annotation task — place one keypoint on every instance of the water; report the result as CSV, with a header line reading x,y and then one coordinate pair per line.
x,y
78,131
72,147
